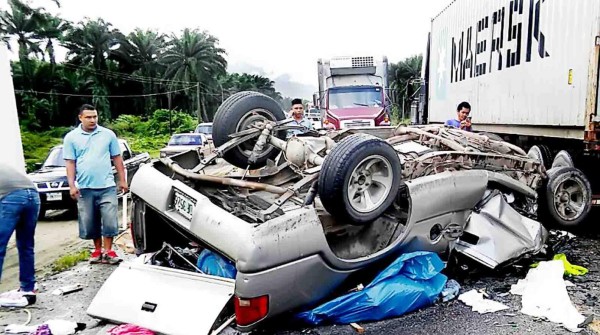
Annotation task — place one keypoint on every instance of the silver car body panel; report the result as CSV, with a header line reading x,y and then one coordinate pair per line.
x,y
165,300
502,233
275,257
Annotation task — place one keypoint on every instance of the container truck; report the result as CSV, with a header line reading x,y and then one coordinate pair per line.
x,y
352,92
529,69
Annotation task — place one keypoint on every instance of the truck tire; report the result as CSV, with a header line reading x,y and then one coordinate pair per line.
x,y
359,179
566,198
563,158
542,154
238,113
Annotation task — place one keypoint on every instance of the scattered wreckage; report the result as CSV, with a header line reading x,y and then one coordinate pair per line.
x,y
299,215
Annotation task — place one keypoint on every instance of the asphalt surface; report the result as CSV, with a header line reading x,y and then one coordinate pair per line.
x,y
445,318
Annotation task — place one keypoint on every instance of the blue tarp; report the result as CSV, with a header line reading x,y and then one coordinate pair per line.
x,y
411,282
215,265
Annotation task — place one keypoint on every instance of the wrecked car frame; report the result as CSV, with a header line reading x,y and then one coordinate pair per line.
x,y
299,215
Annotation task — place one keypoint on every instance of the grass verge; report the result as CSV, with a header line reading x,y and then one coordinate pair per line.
x,y
70,260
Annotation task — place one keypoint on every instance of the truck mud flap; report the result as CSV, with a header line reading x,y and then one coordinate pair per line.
x,y
165,300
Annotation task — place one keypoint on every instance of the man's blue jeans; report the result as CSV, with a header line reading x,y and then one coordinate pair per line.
x,y
19,212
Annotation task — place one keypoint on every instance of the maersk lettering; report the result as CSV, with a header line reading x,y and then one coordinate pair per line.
x,y
504,32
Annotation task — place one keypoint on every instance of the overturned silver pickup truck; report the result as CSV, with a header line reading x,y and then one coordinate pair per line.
x,y
299,215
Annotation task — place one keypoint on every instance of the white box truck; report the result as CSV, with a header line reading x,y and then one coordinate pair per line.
x,y
528,68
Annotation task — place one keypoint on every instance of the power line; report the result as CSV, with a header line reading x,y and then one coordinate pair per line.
x,y
127,76
135,77
105,96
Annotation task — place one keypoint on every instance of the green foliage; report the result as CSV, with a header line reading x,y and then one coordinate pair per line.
x,y
150,144
36,145
181,122
102,62
152,134
404,78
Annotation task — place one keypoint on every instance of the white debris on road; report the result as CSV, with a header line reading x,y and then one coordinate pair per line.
x,y
544,295
480,304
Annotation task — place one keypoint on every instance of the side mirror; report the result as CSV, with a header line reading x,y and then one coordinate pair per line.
x,y
38,166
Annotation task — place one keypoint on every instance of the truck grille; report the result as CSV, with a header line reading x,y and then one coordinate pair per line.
x,y
357,123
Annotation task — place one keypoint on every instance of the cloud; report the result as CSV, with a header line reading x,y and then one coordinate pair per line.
x,y
289,88
242,67
283,82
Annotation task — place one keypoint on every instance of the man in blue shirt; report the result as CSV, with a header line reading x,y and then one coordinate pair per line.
x,y
298,118
463,120
88,151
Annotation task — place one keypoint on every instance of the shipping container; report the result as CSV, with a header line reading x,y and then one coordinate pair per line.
x,y
526,67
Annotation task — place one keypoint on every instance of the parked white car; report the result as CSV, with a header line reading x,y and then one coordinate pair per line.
x,y
185,142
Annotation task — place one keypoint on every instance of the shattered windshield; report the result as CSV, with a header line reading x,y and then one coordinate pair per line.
x,y
187,139
354,97
55,158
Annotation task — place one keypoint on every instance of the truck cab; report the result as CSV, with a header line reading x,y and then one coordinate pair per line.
x,y
352,92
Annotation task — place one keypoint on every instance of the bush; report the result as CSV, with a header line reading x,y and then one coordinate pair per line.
x,y
180,122
36,145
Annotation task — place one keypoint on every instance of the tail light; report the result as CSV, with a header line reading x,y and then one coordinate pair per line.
x,y
250,310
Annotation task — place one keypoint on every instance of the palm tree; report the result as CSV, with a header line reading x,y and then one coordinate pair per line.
x,y
403,78
23,23
194,58
92,42
53,28
141,51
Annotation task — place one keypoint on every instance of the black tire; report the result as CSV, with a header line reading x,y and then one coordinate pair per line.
x,y
541,153
492,136
563,158
235,114
337,171
575,189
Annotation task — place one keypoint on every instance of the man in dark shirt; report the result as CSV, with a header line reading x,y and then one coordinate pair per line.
x,y
19,209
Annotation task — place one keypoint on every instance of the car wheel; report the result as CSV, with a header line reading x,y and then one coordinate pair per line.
x,y
542,154
562,159
567,199
240,112
359,179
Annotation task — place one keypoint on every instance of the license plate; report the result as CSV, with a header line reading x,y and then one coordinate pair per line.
x,y
183,204
56,196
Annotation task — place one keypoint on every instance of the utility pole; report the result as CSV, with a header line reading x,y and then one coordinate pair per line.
x,y
198,102
170,112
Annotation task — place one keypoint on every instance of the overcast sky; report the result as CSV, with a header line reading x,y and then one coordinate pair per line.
x,y
280,39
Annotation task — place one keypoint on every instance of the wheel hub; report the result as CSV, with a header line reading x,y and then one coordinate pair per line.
x,y
569,200
370,183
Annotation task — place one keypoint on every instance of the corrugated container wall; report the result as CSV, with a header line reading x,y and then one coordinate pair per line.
x,y
518,62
